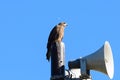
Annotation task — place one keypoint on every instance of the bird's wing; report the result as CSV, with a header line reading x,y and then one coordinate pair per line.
x,y
52,36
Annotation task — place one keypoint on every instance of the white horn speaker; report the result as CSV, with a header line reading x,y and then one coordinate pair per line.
x,y
101,60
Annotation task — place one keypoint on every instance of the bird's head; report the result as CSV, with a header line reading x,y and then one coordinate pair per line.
x,y
63,24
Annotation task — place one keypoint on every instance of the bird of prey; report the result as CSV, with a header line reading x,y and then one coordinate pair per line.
x,y
56,34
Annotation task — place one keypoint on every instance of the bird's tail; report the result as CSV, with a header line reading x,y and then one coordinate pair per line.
x,y
48,55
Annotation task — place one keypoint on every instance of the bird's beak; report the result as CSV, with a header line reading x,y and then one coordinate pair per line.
x,y
66,24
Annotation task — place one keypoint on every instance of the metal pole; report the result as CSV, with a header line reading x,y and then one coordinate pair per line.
x,y
57,61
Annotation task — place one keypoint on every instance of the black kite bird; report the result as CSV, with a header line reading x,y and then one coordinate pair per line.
x,y
56,34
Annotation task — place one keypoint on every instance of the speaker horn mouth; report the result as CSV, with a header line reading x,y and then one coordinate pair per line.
x,y
109,63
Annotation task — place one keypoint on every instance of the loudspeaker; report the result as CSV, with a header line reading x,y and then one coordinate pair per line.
x,y
101,60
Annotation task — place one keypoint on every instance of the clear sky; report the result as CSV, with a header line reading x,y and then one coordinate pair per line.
x,y
26,24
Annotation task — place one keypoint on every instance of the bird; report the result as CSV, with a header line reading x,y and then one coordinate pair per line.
x,y
56,35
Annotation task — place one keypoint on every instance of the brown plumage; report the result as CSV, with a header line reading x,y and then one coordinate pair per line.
x,y
56,34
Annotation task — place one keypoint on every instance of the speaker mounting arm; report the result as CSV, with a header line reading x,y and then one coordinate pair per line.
x,y
80,63
85,74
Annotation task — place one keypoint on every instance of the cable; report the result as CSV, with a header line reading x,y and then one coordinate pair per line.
x,y
69,76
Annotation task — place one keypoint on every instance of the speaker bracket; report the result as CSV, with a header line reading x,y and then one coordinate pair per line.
x,y
85,74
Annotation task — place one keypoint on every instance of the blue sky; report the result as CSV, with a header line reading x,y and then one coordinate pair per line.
x,y
25,26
